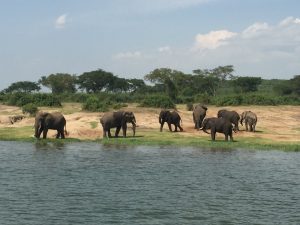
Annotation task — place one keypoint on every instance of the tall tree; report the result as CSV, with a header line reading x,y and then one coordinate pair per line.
x,y
214,79
246,84
59,83
166,77
23,86
95,81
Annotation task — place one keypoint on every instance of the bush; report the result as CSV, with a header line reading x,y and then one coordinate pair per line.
x,y
30,108
94,104
158,101
21,99
189,107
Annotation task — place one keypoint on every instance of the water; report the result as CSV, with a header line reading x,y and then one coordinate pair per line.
x,y
87,183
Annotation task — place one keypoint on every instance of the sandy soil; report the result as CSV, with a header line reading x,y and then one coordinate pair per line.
x,y
278,123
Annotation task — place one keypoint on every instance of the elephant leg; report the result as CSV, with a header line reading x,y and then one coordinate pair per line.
x,y
109,134
58,134
231,138
104,133
213,134
45,131
62,134
226,137
170,128
39,133
246,126
124,129
161,126
180,128
254,127
117,131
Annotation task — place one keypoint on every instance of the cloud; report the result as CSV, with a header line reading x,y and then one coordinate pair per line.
x,y
255,29
289,20
128,55
165,49
60,22
213,39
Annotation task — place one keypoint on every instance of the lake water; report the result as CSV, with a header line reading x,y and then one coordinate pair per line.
x,y
88,183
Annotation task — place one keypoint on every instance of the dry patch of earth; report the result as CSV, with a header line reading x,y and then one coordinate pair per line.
x,y
276,123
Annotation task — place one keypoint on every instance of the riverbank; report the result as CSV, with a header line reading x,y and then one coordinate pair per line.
x,y
278,127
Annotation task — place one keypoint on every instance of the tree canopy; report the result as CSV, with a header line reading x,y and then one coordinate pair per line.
x,y
59,83
23,86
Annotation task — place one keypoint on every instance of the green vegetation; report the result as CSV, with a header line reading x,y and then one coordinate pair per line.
x,y
101,91
150,137
30,108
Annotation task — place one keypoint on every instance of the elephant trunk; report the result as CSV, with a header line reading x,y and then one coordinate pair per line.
x,y
204,130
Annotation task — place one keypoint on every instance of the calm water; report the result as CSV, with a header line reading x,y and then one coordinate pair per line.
x,y
87,183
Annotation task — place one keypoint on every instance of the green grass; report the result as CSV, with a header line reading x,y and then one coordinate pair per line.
x,y
151,137
94,124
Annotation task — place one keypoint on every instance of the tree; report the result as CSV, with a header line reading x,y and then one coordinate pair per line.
x,y
246,84
95,81
136,84
213,79
22,86
166,77
59,83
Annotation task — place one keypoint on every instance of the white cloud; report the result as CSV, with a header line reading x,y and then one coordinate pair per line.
x,y
213,39
128,55
164,49
60,22
255,29
289,20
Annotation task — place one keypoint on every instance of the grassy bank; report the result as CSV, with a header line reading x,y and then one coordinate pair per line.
x,y
151,137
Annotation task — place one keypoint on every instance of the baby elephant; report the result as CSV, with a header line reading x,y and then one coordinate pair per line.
x,y
169,118
219,125
250,119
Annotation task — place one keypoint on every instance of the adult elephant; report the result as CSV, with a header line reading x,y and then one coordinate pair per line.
x,y
250,119
219,125
170,118
199,113
53,121
231,116
117,120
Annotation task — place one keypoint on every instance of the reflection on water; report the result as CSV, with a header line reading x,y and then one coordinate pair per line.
x,y
87,183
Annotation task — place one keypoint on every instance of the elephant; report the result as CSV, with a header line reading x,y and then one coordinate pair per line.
x,y
231,116
250,119
219,125
170,118
117,120
199,113
54,121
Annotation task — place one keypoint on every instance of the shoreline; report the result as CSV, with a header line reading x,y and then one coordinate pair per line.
x,y
278,127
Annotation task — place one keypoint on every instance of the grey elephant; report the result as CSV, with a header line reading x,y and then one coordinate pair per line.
x,y
250,119
219,125
117,120
199,113
170,118
231,116
54,121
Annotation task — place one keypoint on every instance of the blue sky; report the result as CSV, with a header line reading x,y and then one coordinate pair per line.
x,y
130,38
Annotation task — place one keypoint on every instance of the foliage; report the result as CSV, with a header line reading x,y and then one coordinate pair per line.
x,y
30,108
59,83
39,99
246,84
95,104
159,101
189,106
95,81
22,86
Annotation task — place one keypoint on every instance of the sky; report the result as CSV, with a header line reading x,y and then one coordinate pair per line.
x,y
130,38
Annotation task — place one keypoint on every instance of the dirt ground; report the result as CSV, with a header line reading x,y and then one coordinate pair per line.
x,y
277,123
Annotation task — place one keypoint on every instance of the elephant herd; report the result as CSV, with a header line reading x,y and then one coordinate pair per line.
x,y
226,122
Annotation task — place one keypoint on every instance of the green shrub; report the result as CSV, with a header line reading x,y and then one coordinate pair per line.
x,y
30,108
157,101
94,104
189,107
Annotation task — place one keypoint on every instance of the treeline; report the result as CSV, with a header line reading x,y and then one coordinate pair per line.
x,y
99,90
